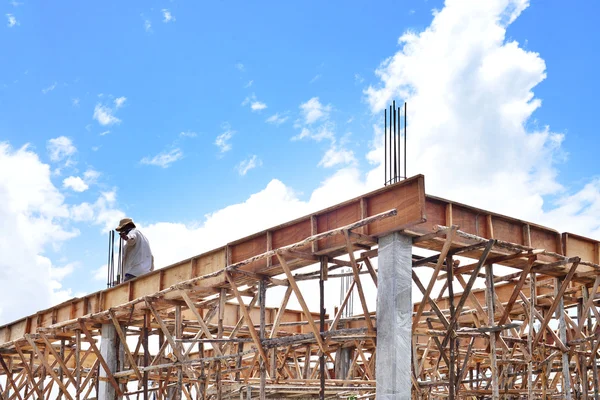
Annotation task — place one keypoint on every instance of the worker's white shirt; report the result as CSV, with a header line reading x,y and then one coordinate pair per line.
x,y
137,256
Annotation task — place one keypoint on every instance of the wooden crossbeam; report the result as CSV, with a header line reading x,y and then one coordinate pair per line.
x,y
436,271
467,290
515,292
555,303
246,314
280,312
340,311
49,369
300,298
200,320
92,343
28,371
58,359
355,271
9,377
123,339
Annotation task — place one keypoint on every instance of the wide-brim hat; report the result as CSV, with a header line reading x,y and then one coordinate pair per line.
x,y
124,222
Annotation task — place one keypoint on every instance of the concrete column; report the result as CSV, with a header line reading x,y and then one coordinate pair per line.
x,y
394,317
109,348
343,359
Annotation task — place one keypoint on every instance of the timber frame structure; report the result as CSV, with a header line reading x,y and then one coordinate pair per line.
x,y
508,310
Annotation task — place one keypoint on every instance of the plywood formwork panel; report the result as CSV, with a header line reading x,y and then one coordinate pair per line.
x,y
508,231
585,248
544,238
467,221
146,284
248,248
343,216
291,234
408,199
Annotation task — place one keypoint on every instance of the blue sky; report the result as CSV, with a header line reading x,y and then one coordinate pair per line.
x,y
126,86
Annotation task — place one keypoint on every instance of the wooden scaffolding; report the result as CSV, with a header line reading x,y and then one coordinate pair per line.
x,y
507,310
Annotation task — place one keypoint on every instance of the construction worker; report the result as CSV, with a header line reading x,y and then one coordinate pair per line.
x,y
137,256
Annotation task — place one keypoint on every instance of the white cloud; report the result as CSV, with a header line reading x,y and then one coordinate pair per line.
x,y
240,67
104,133
167,16
358,78
75,102
249,84
60,148
101,273
12,21
59,273
273,205
470,103
33,213
336,156
255,105
49,88
78,184
163,159
323,132
313,111
102,212
75,183
147,25
119,101
82,212
277,119
222,141
248,164
91,176
104,115
188,134
315,78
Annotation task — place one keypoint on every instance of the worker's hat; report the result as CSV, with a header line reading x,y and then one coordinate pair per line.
x,y
123,223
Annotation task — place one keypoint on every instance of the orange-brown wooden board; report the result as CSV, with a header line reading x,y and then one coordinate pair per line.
x,y
583,247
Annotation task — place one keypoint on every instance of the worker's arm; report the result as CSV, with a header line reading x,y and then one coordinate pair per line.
x,y
130,238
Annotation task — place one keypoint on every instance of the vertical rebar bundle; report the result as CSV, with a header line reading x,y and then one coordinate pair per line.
x,y
393,134
110,281
120,277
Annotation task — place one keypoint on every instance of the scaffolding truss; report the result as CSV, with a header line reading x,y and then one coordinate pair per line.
x,y
506,309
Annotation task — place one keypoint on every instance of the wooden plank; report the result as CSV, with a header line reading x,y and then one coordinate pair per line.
x,y
58,359
9,377
123,339
436,271
28,371
280,312
92,344
199,318
555,303
515,293
355,271
249,322
490,306
43,359
300,299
